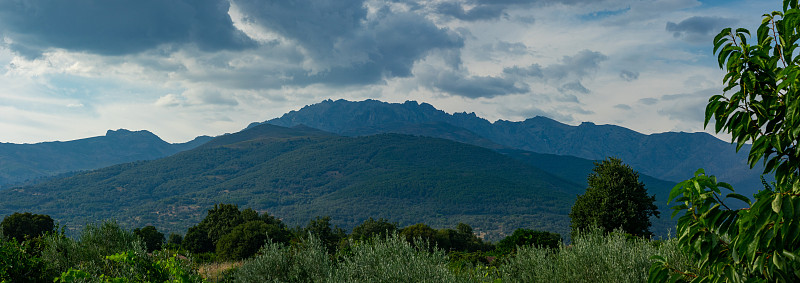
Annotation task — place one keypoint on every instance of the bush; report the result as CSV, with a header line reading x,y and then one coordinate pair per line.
x,y
277,262
151,237
19,264
525,237
197,241
88,253
372,228
224,219
174,242
592,257
247,238
393,260
321,229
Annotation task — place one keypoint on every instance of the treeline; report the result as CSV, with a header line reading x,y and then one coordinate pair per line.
x,y
228,233
259,247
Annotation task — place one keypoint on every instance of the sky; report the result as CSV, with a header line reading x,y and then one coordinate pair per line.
x,y
184,68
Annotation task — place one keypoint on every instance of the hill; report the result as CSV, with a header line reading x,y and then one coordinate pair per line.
x,y
21,162
668,156
300,173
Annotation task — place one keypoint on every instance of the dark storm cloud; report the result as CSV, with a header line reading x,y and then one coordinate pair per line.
x,y
315,24
118,27
699,28
350,48
398,40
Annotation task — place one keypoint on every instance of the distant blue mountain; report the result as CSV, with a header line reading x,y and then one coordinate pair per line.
x,y
25,162
669,156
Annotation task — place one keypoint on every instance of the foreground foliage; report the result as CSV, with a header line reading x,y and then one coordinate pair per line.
x,y
19,262
760,243
106,252
593,256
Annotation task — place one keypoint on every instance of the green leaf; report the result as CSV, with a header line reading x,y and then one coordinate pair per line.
x,y
788,208
676,191
777,202
739,197
743,30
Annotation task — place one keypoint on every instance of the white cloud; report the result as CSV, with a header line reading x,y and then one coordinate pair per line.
x,y
612,61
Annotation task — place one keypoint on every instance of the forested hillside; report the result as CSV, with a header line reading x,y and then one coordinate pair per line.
x,y
298,174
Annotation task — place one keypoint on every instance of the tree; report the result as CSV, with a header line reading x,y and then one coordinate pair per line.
x,y
151,237
225,219
246,239
614,199
174,240
321,229
220,220
371,228
26,225
197,241
525,237
419,235
760,104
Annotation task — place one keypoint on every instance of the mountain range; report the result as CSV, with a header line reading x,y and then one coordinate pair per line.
x,y
404,162
24,162
300,173
669,156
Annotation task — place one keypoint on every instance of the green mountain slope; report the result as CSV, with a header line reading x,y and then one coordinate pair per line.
x,y
298,174
667,156
21,162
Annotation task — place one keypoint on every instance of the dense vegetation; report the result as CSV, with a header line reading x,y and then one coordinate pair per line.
x,y
317,252
297,175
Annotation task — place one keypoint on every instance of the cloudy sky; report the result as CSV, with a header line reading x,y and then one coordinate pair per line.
x,y
183,68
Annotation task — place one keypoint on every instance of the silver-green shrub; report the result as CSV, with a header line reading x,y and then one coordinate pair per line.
x,y
393,259
592,257
390,259
277,262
